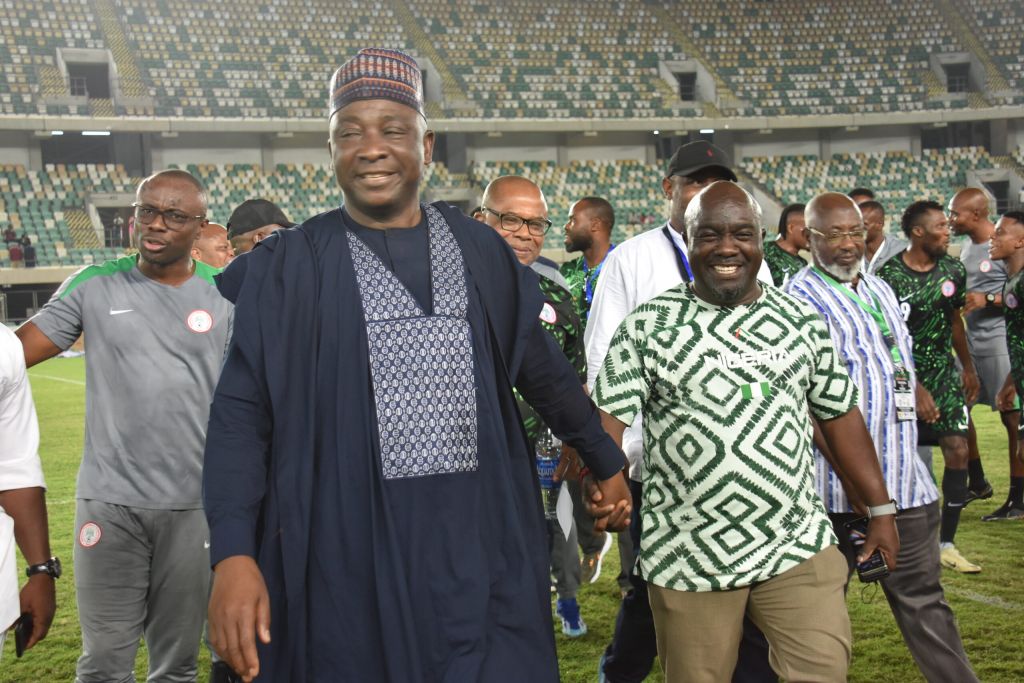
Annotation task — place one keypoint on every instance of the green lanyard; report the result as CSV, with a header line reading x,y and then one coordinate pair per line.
x,y
874,311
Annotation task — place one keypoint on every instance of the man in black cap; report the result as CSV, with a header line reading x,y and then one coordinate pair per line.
x,y
373,504
638,270
252,222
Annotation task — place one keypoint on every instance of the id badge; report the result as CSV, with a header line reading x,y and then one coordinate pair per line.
x,y
906,404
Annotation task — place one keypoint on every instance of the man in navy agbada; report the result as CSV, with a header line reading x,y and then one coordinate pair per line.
x,y
374,509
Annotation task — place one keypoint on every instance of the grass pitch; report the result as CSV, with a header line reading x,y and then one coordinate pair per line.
x,y
989,606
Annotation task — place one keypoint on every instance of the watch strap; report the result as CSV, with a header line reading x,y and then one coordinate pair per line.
x,y
48,567
882,510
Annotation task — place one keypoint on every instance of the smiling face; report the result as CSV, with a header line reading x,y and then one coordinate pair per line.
x,y
724,240
158,243
968,209
379,148
932,233
1008,238
518,197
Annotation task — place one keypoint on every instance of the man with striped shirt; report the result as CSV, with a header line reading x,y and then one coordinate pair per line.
x,y
867,329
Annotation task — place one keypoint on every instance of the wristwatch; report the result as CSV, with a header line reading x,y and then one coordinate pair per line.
x,y
51,567
882,510
990,299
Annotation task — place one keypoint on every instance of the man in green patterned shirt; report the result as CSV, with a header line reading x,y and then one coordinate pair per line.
x,y
589,230
515,207
1008,246
783,255
724,372
930,286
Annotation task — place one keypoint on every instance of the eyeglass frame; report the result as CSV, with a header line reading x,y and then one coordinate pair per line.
x,y
163,214
857,237
522,221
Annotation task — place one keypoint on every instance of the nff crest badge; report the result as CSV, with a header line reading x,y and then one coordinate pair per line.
x,y
199,321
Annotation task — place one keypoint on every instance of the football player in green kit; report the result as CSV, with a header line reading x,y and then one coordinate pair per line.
x,y
1008,246
931,286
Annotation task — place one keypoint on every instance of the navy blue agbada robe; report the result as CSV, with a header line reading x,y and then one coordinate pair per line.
x,y
433,578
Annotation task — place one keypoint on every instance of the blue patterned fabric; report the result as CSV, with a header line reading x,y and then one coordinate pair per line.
x,y
421,364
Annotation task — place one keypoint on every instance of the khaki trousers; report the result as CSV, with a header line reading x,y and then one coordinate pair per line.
x,y
802,613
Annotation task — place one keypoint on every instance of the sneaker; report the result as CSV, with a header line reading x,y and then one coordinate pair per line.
x,y
590,565
984,493
950,558
601,678
1007,511
572,623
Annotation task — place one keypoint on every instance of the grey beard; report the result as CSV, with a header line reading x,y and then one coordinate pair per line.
x,y
847,274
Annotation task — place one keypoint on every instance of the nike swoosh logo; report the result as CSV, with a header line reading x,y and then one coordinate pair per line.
x,y
119,312
206,544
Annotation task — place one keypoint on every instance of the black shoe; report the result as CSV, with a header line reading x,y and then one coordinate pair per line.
x,y
984,493
1008,511
220,672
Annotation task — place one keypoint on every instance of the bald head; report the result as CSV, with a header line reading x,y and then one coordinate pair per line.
x,y
515,207
723,227
968,213
819,210
836,235
174,174
500,189
213,247
718,194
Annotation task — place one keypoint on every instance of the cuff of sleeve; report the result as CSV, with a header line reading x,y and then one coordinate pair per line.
x,y
604,459
231,537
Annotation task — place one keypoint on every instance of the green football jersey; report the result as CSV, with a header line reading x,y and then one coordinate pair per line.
x,y
1013,311
558,316
781,263
582,282
928,301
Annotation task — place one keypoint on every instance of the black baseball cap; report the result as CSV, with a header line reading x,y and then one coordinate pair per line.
x,y
698,155
255,213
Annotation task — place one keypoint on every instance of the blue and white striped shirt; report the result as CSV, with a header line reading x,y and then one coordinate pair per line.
x,y
859,342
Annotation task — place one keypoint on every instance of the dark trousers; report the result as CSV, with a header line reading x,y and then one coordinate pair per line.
x,y
915,595
631,654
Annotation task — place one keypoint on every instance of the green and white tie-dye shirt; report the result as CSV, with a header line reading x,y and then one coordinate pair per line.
x,y
729,497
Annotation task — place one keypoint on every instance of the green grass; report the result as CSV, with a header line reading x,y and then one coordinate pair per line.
x,y
989,606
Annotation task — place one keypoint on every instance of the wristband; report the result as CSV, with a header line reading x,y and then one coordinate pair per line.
x,y
584,471
882,510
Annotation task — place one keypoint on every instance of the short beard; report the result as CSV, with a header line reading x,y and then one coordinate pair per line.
x,y
841,274
727,296
574,244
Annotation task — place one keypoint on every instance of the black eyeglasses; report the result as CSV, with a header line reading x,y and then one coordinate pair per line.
x,y
511,222
173,219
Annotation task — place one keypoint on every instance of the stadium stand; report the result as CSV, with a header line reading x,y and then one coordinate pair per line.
x,y
796,58
897,178
249,59
596,59
31,32
601,59
999,25
50,206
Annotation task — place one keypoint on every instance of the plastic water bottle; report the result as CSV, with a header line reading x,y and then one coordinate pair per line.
x,y
549,450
